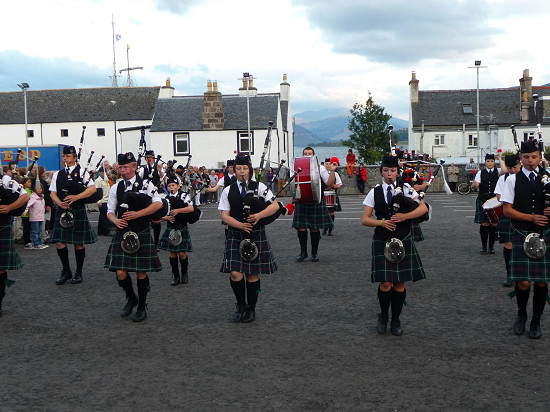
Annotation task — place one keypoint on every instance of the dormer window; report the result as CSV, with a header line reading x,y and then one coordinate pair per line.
x,y
467,108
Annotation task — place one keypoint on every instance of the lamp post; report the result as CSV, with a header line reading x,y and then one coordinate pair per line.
x,y
113,103
24,87
247,76
477,67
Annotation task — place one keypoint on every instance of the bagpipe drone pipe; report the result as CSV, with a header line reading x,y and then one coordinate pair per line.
x,y
184,218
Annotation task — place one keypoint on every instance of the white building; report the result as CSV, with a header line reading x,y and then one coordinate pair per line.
x,y
444,121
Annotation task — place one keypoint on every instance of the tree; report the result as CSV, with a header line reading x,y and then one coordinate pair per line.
x,y
368,126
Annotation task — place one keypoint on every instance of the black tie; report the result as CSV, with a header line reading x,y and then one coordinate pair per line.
x,y
127,183
532,178
243,190
389,196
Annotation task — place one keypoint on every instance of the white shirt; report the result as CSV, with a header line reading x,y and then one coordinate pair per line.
x,y
8,181
500,184
509,190
478,174
83,174
5,180
408,191
185,198
224,201
113,201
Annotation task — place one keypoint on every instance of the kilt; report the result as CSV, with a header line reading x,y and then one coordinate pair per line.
x,y
524,268
481,215
312,216
416,232
80,234
504,230
410,268
184,246
264,263
9,258
144,260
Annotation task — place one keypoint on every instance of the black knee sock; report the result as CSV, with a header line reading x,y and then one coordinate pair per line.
x,y
539,299
484,232
79,254
384,298
126,285
239,289
507,253
397,300
64,257
522,297
492,232
143,288
175,267
302,237
156,233
252,292
226,233
3,278
184,264
315,238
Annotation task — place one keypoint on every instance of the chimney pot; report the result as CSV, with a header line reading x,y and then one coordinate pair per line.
x,y
168,82
215,85
209,85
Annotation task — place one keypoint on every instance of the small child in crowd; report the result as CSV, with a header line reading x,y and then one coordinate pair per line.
x,y
36,208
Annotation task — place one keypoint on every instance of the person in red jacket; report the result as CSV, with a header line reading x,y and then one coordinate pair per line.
x,y
350,160
361,176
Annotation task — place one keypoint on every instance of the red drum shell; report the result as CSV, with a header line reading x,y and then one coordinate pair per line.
x,y
308,180
493,208
330,198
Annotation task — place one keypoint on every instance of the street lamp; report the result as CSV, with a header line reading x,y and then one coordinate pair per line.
x,y
247,76
113,102
24,87
477,67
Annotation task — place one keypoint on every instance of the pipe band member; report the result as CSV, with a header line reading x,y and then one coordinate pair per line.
x,y
227,179
486,180
146,259
81,233
232,206
388,225
334,161
9,258
504,230
418,183
150,172
313,216
180,204
523,198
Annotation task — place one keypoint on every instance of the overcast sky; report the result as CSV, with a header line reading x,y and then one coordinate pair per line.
x,y
334,52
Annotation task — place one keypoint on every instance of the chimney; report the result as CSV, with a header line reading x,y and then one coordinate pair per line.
x,y
252,91
166,92
414,88
526,89
212,112
285,90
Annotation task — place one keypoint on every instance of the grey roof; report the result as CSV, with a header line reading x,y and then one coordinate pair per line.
x,y
79,105
185,113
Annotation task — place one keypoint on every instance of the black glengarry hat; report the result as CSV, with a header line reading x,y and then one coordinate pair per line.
x,y
242,159
489,156
231,162
124,159
529,147
390,161
173,179
511,160
69,150
149,153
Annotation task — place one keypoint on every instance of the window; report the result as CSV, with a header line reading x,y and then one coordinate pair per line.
x,y
101,132
467,109
472,140
528,135
242,142
181,144
439,139
30,133
64,132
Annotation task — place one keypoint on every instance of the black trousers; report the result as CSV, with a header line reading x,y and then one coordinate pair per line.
x,y
361,186
26,229
103,223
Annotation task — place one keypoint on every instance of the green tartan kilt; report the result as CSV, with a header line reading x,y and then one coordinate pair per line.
x,y
525,268
144,260
416,232
504,230
184,246
80,234
263,264
410,268
312,216
9,258
481,215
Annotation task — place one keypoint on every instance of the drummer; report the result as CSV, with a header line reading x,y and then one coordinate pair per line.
x,y
486,180
504,231
333,190
313,216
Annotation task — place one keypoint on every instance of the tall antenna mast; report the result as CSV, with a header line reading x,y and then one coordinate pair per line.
x,y
130,83
114,54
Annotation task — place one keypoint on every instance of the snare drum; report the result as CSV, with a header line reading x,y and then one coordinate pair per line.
x,y
330,198
306,187
493,208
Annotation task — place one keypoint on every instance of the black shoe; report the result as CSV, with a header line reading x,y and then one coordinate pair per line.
x,y
239,313
302,256
519,325
483,251
395,327
534,331
249,315
128,308
140,316
330,232
491,251
176,280
507,283
324,231
315,258
65,276
382,324
184,278
77,278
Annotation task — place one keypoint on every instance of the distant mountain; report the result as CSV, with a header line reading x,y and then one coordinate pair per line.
x,y
330,125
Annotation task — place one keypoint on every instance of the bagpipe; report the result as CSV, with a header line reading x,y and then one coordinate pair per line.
x,y
9,195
